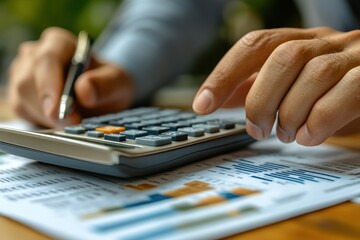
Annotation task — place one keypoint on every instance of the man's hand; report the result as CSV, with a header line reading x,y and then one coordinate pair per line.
x,y
37,79
308,78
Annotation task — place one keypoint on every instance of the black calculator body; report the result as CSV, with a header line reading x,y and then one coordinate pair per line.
x,y
131,143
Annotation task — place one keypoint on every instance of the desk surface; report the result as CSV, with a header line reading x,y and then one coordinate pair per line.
x,y
337,222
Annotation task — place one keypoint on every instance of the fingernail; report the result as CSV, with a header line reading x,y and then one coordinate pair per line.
x,y
254,130
203,101
303,136
48,106
284,136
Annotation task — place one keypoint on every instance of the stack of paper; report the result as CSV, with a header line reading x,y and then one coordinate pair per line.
x,y
210,199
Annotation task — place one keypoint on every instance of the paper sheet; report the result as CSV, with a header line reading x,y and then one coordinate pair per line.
x,y
210,199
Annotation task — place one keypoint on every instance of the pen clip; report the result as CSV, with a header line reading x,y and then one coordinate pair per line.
x,y
82,48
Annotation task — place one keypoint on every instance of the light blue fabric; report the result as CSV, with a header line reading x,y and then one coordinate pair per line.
x,y
155,40
332,13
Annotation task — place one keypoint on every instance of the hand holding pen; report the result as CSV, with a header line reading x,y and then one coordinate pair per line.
x,y
37,81
78,66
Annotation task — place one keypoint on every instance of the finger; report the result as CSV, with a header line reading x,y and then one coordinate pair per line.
x,y
318,76
55,51
104,89
21,87
276,78
58,43
351,128
244,58
49,80
339,107
239,96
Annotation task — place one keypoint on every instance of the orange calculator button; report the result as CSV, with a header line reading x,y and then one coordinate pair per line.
x,y
110,129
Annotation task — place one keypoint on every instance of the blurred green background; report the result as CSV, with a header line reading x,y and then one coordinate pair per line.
x,y
23,20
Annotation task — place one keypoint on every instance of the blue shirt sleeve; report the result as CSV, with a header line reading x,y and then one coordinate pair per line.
x,y
155,40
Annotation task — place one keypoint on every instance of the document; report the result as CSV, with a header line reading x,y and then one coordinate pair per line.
x,y
210,199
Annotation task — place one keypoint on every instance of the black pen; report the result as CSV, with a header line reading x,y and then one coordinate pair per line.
x,y
78,66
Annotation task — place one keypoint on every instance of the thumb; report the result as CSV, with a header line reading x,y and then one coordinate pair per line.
x,y
104,89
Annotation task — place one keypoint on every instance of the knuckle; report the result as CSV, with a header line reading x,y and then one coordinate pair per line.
x,y
322,112
323,29
354,74
52,32
257,39
354,34
353,85
319,69
44,55
26,48
289,54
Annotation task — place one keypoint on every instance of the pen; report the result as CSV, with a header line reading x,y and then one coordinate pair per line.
x,y
78,65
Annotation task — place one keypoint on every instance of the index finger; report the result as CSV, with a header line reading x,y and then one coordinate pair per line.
x,y
240,62
56,48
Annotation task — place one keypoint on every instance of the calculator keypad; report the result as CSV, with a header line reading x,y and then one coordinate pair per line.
x,y
149,127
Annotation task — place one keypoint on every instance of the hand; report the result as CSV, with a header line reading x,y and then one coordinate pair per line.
x,y
37,79
308,78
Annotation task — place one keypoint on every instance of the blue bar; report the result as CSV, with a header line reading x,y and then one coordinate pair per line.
x,y
260,167
280,165
224,167
229,195
124,223
265,179
285,178
246,169
244,160
324,174
153,198
301,174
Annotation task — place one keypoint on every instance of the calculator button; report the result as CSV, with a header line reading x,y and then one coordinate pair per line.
x,y
224,124
176,126
91,126
196,121
115,137
110,129
117,123
193,132
75,129
94,120
151,122
137,126
176,136
209,128
129,120
186,116
94,134
156,130
169,119
150,117
133,133
153,140
168,112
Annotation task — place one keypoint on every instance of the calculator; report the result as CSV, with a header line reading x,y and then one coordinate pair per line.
x,y
130,143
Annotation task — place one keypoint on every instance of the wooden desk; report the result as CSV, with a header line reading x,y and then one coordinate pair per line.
x,y
337,222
